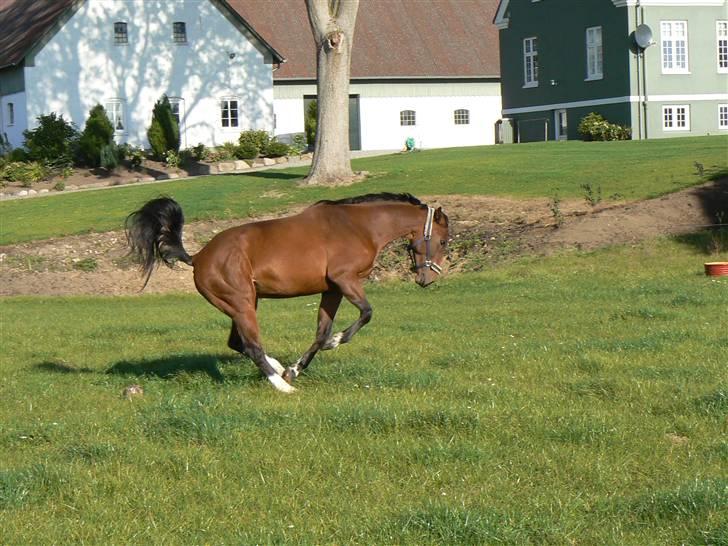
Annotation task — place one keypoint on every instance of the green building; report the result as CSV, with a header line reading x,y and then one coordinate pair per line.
x,y
657,66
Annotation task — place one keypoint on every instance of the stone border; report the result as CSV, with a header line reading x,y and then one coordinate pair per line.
x,y
199,169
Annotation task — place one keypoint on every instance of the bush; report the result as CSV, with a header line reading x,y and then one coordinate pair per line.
x,y
109,157
299,143
52,141
26,172
259,139
97,135
246,151
594,127
227,151
163,134
5,147
199,152
309,123
278,149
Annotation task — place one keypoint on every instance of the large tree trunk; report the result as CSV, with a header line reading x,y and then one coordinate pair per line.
x,y
332,23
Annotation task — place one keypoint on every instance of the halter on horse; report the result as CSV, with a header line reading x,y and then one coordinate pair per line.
x,y
327,249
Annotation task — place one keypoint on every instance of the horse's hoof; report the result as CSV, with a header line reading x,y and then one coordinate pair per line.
x,y
289,375
280,384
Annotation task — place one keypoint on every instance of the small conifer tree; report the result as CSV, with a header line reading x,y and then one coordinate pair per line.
x,y
163,133
97,134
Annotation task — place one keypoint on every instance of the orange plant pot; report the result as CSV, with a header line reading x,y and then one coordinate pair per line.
x,y
716,269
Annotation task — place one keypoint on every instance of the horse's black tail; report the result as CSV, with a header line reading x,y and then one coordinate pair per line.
x,y
154,234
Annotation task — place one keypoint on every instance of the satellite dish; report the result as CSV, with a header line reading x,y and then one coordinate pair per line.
x,y
643,36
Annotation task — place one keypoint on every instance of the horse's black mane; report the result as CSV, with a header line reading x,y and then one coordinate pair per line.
x,y
372,197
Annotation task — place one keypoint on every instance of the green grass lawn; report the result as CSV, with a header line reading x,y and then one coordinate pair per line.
x,y
577,399
625,170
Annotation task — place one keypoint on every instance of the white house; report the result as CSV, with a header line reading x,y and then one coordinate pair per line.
x,y
422,69
66,56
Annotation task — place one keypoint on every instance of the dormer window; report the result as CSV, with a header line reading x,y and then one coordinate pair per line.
x,y
121,35
179,32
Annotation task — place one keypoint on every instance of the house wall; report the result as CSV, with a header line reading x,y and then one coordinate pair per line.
x,y
81,66
14,131
560,27
12,87
380,105
703,88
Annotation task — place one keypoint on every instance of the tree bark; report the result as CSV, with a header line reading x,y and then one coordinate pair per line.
x,y
332,24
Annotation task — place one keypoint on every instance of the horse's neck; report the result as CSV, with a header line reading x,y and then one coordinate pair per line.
x,y
395,221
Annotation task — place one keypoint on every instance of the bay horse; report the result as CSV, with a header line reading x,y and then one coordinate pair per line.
x,y
329,249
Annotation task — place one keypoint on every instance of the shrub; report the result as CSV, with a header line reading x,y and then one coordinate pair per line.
x,y
109,157
277,149
172,159
299,143
97,134
5,147
24,172
18,154
163,134
52,141
259,139
227,151
594,127
246,151
310,122
199,152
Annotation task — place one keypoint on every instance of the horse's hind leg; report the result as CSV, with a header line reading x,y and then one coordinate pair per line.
x,y
354,292
330,302
235,342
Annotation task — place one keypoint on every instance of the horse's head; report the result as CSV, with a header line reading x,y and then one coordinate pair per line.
x,y
429,251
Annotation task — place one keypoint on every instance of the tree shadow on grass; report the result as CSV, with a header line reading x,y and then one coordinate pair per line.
x,y
61,367
273,175
173,366
713,239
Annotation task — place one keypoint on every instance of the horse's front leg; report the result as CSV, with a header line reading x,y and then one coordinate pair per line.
x,y
330,302
354,292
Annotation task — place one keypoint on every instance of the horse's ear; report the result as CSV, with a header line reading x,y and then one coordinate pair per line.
x,y
440,216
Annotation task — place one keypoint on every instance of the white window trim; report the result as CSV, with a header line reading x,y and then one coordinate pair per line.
x,y
674,108
11,114
126,34
230,128
534,81
723,127
466,117
718,37
596,75
674,70
414,118
112,118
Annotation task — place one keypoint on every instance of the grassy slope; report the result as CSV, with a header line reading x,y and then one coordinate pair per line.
x,y
574,399
632,170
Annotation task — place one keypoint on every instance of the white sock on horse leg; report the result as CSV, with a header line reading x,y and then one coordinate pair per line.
x,y
280,384
277,366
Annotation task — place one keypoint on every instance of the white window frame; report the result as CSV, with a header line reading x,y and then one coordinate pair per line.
x,y
229,119
182,36
179,103
721,46
11,114
407,118
672,45
673,111
558,135
530,61
461,116
723,117
594,54
121,39
116,112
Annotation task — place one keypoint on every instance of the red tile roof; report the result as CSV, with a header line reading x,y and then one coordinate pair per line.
x,y
23,23
393,38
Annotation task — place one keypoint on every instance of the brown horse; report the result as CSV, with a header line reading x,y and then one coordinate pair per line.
x,y
327,249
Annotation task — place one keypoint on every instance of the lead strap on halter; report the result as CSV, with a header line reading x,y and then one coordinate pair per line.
x,y
428,236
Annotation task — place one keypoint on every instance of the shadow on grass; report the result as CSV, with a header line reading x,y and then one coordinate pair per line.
x,y
173,366
273,175
61,367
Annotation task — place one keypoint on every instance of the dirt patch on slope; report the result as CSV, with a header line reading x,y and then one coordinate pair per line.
x,y
485,230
